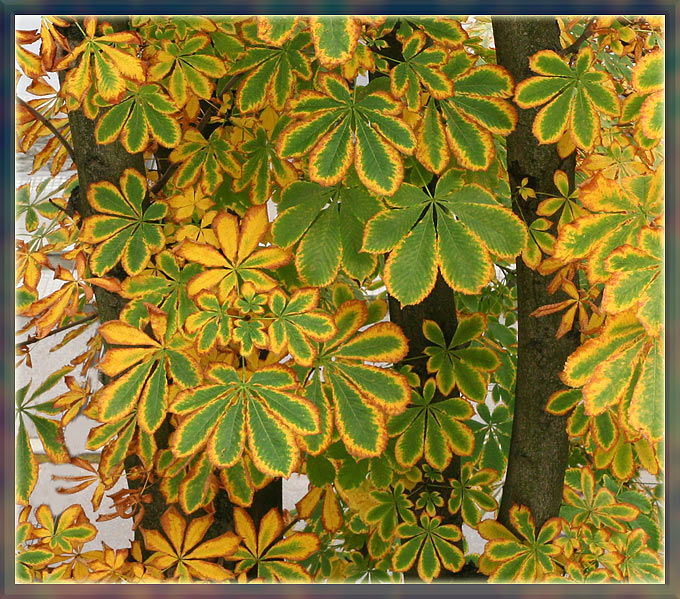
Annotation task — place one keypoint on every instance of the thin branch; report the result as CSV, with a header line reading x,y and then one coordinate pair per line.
x,y
210,111
572,48
50,126
33,339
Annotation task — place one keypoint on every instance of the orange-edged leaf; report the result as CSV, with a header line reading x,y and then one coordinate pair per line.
x,y
119,398
432,149
361,426
271,527
383,342
389,390
245,529
334,38
118,332
296,547
378,164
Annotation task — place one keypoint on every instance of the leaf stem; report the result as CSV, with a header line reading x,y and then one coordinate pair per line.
x,y
45,121
75,323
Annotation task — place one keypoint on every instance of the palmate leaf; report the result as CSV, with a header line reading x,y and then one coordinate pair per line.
x,y
141,367
362,394
476,109
326,122
423,232
204,160
121,230
240,259
639,564
472,494
104,60
598,507
507,559
71,527
575,96
271,73
432,429
187,68
274,555
166,289
466,368
420,67
211,324
390,508
432,544
260,407
263,171
330,237
142,117
297,323
619,215
180,549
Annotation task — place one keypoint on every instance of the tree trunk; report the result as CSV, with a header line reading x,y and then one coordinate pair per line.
x,y
439,306
540,446
96,163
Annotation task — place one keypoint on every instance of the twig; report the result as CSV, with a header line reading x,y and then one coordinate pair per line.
x,y
50,126
33,339
210,111
579,40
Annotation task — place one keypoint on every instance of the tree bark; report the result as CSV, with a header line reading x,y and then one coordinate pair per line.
x,y
540,446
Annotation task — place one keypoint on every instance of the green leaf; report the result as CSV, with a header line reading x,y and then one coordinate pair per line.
x,y
386,229
272,448
26,466
320,471
464,262
411,269
378,164
319,254
360,425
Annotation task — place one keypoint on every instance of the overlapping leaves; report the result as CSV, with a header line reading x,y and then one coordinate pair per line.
x,y
143,116
260,407
433,429
456,232
239,259
432,544
104,62
330,236
204,160
477,109
337,130
273,556
182,550
361,394
576,96
508,559
124,230
270,72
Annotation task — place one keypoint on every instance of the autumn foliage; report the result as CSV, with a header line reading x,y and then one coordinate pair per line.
x,y
285,195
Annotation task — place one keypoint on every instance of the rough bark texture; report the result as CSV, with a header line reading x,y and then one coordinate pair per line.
x,y
540,446
96,163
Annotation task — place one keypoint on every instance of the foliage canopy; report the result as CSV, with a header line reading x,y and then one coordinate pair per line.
x,y
285,195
